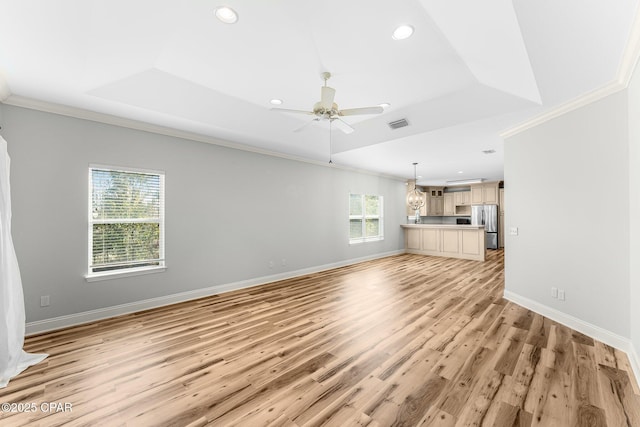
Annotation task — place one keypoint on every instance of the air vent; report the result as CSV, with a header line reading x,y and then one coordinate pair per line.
x,y
488,151
398,124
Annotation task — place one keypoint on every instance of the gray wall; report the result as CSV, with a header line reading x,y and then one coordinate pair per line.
x,y
228,212
567,190
634,201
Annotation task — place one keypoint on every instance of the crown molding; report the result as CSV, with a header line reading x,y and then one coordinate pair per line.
x,y
4,89
564,108
631,53
625,72
79,113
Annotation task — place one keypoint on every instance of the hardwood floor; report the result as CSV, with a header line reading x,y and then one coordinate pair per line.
x,y
407,340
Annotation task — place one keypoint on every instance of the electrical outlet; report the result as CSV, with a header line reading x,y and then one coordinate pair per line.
x,y
561,294
271,264
44,301
513,231
554,292
284,262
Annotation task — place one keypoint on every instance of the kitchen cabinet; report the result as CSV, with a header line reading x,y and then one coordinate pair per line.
x,y
436,206
484,194
490,194
451,241
436,191
477,197
462,210
435,200
449,206
462,198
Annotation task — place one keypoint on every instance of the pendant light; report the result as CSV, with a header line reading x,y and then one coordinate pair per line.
x,y
415,198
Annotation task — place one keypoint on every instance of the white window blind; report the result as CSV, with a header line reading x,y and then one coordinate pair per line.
x,y
126,220
365,218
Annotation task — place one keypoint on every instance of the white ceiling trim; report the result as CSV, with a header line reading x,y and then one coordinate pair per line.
x,y
79,113
631,53
4,89
564,108
625,72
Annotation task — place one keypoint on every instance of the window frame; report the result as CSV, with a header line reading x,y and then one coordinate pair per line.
x,y
128,271
364,216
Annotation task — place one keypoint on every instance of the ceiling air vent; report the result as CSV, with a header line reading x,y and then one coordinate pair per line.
x,y
397,124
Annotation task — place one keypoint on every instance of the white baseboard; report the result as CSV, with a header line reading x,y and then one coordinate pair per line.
x,y
596,332
75,319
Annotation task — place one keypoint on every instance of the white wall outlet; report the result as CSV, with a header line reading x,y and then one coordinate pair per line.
x,y
271,264
561,294
44,301
513,231
554,292
284,262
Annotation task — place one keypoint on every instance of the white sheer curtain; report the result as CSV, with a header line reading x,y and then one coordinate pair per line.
x,y
13,359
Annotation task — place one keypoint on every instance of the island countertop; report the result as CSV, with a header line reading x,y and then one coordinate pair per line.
x,y
453,226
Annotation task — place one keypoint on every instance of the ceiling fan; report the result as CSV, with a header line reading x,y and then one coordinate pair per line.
x,y
326,109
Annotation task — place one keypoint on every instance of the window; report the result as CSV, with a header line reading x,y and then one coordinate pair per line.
x,y
126,221
365,218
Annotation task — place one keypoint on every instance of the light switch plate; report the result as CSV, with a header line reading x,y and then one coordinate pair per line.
x,y
513,231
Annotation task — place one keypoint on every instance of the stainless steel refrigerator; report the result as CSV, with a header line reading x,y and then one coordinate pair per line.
x,y
487,215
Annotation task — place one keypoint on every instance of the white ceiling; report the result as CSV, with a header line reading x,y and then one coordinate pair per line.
x,y
472,69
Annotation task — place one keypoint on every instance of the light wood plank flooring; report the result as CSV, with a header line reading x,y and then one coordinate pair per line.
x,y
407,340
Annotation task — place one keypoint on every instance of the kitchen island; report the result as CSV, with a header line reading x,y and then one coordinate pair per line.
x,y
446,240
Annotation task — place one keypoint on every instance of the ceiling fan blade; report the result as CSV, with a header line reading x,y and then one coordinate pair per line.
x,y
342,125
304,126
363,110
326,97
287,110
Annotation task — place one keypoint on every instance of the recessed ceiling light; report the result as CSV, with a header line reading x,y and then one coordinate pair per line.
x,y
402,32
226,15
460,172
384,105
276,101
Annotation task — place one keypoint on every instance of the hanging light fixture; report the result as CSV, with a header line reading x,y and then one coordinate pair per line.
x,y
415,198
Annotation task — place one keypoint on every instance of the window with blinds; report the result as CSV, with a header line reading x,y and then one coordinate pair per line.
x,y
365,218
126,220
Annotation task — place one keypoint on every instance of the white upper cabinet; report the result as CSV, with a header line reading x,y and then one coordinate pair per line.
x,y
484,194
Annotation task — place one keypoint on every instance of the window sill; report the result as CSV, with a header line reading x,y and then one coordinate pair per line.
x,y
111,275
370,239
